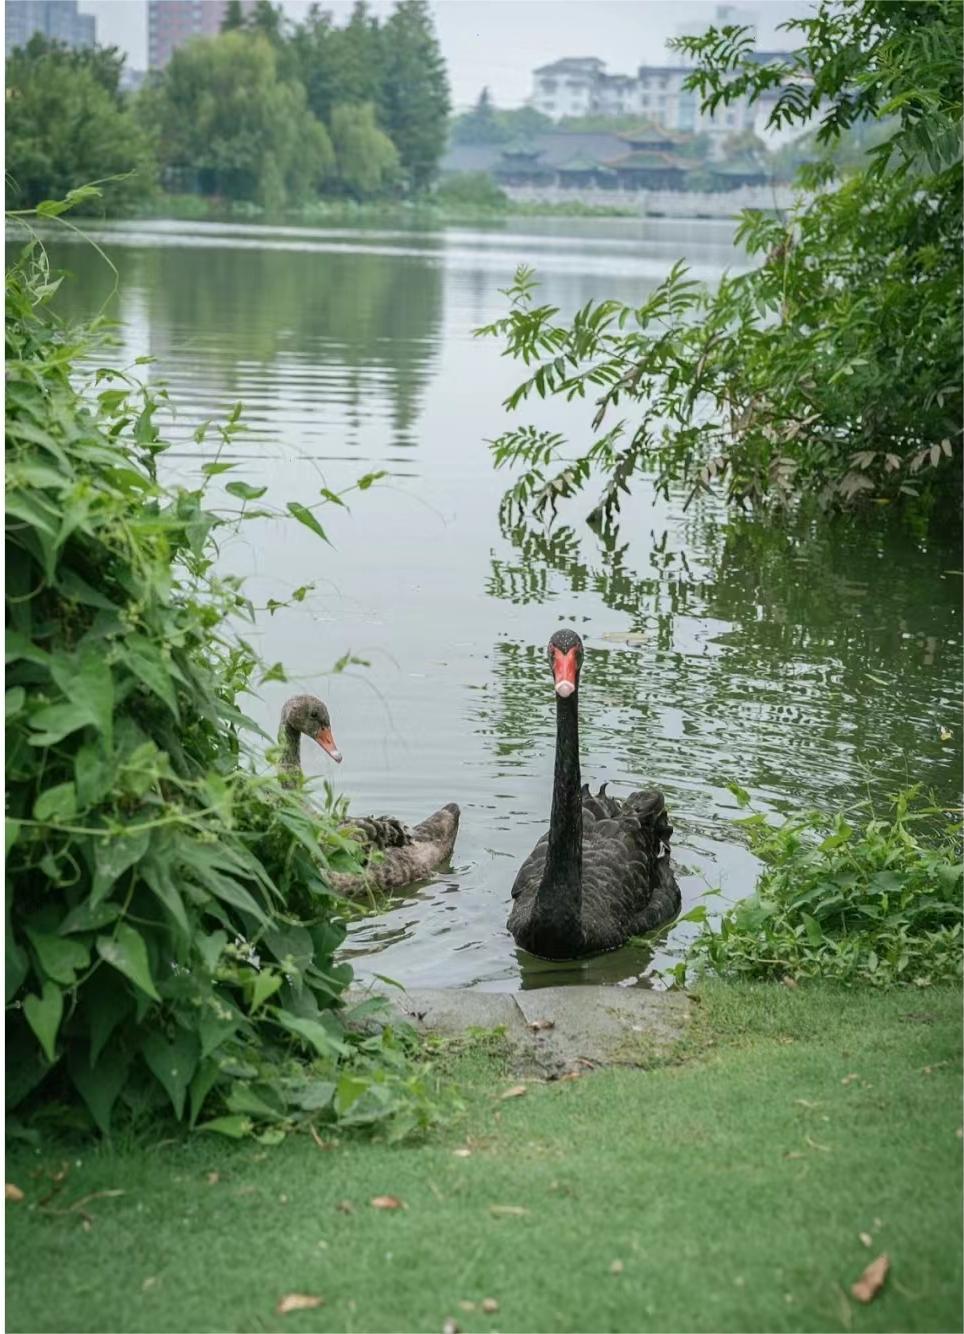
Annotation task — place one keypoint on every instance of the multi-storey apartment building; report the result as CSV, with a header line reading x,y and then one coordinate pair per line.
x,y
581,87
58,20
170,23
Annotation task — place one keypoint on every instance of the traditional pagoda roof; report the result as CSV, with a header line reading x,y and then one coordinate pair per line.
x,y
521,148
649,133
645,159
582,162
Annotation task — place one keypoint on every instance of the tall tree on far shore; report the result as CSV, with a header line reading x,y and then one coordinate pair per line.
x,y
68,124
414,94
233,16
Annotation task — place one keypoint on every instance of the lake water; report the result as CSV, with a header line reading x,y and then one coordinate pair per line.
x,y
814,664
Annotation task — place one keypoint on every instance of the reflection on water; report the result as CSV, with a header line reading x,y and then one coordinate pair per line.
x,y
812,663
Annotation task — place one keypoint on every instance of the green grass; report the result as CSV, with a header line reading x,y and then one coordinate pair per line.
x,y
732,1185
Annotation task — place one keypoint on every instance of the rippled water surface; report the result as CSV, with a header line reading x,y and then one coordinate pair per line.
x,y
813,664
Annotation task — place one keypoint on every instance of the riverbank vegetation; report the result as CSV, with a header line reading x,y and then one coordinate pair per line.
x,y
858,898
170,933
831,370
822,1125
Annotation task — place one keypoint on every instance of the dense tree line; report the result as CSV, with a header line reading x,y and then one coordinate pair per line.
x,y
268,111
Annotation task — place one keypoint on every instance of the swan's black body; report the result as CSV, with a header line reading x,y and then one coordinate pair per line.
x,y
395,855
602,873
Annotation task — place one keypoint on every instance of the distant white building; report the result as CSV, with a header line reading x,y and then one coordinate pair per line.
x,y
580,86
568,87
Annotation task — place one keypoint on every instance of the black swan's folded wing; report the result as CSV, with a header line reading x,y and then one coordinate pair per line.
x,y
628,884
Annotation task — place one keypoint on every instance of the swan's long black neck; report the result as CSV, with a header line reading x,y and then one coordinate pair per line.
x,y
558,904
289,739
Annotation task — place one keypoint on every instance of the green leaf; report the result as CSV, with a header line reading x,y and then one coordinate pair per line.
x,y
211,948
99,1086
245,492
106,1003
348,1092
126,952
112,857
157,873
813,928
173,1064
59,958
14,701
306,517
56,721
57,804
88,917
205,1077
11,834
266,983
147,663
213,1029
16,962
43,1013
86,681
235,1127
312,1032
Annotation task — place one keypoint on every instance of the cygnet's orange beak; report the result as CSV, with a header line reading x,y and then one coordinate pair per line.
x,y
327,742
565,669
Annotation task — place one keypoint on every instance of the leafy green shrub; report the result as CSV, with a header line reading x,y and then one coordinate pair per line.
x,y
877,903
471,189
170,936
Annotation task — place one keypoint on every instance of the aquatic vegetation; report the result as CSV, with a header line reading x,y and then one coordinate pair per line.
x,y
856,898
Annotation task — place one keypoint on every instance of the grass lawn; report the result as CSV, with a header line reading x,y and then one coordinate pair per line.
x,y
727,1191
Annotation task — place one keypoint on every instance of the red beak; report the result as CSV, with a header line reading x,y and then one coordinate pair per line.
x,y
327,742
565,669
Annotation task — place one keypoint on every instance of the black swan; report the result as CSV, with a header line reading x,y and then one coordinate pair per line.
x,y
406,855
602,873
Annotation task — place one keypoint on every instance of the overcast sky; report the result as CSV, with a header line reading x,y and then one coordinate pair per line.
x,y
500,42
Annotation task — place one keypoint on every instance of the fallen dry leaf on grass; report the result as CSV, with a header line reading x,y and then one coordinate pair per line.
x,y
489,1305
959,1132
451,1327
466,1306
866,1238
345,1207
871,1280
538,1025
213,1178
507,1210
515,1092
462,1153
848,1079
387,1202
790,982
793,1154
616,1267
298,1301
12,1193
149,1283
